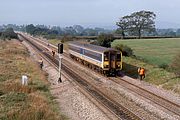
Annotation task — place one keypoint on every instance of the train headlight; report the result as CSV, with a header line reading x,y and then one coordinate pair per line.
x,y
118,65
106,66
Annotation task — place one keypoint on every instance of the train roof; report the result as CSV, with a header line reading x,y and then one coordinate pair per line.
x,y
92,47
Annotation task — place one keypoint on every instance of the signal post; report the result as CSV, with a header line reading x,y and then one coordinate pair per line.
x,y
60,52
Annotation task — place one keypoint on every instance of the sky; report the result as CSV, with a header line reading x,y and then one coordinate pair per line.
x,y
89,13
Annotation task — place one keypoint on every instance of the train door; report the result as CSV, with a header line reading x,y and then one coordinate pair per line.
x,y
118,61
112,60
106,60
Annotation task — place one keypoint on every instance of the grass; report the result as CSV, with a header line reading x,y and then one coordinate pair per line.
x,y
56,42
154,51
154,74
17,102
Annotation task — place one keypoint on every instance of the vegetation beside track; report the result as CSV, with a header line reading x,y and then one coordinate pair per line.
x,y
154,74
17,102
153,55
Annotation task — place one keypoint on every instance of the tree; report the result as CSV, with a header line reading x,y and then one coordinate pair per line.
x,y
123,24
170,34
69,31
126,51
178,32
30,29
176,65
9,33
137,23
79,29
89,32
142,21
105,40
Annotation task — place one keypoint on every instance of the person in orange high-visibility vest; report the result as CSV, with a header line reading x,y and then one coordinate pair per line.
x,y
141,72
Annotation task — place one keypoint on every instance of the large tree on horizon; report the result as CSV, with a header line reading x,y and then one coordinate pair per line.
x,y
142,21
137,23
123,24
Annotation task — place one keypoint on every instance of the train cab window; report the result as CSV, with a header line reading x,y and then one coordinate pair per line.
x,y
106,56
118,57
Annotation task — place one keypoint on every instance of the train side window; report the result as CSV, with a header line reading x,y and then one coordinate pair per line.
x,y
106,56
118,57
93,55
76,49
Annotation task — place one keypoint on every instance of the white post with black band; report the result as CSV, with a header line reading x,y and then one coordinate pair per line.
x,y
60,52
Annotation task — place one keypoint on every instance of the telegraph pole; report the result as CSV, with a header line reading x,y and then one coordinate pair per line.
x,y
60,51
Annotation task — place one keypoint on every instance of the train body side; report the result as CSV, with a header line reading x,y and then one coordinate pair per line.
x,y
87,55
106,60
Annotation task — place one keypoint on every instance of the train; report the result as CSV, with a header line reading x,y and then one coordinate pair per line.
x,y
107,61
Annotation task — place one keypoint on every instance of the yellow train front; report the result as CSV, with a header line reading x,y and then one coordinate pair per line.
x,y
105,60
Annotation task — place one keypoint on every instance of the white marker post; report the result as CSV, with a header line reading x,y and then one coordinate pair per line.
x,y
24,80
60,60
60,51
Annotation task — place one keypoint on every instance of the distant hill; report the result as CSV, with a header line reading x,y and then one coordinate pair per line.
x,y
166,25
112,26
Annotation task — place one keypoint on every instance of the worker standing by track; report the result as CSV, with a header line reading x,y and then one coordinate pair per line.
x,y
141,73
53,53
41,63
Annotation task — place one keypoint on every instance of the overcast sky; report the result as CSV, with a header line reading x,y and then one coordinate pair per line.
x,y
85,12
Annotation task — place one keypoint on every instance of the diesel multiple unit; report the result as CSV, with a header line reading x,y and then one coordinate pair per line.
x,y
105,60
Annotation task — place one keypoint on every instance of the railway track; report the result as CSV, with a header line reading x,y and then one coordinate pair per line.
x,y
167,104
116,108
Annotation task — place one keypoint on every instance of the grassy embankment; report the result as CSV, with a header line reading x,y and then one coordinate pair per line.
x,y
155,52
17,102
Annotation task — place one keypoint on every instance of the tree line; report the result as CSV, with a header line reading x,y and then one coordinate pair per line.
x,y
78,30
75,30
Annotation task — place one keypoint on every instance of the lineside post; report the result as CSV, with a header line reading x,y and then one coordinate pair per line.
x,y
60,51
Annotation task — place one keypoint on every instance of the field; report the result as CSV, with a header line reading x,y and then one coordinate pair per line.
x,y
18,102
154,51
56,42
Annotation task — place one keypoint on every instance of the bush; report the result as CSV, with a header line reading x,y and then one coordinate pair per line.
x,y
50,36
163,65
175,65
126,51
9,34
66,38
105,40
